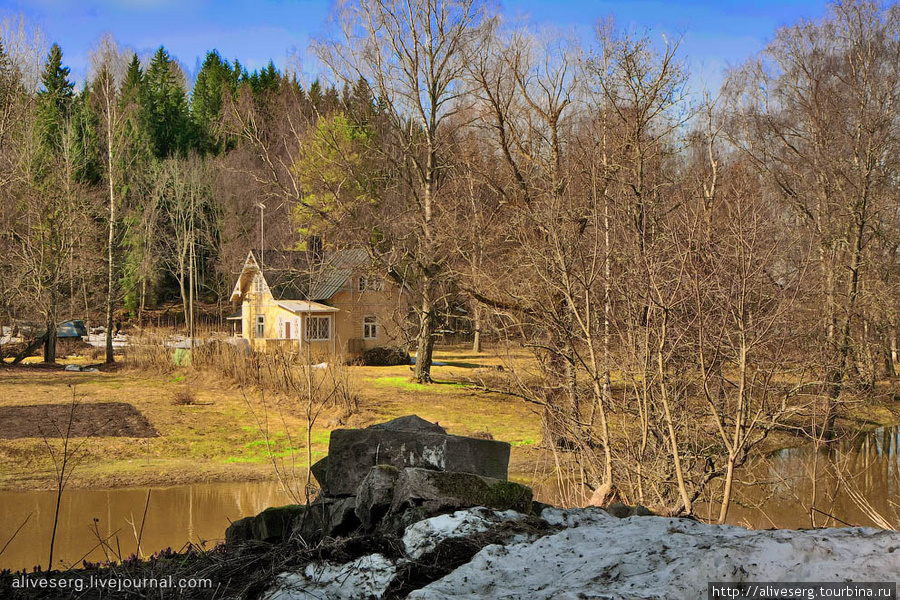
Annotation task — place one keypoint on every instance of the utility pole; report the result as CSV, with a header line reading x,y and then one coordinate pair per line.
x,y
262,209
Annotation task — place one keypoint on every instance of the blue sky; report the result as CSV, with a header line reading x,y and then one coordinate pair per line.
x,y
716,33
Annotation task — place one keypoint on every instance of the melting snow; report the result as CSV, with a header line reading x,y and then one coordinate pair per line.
x,y
365,577
672,559
424,536
599,556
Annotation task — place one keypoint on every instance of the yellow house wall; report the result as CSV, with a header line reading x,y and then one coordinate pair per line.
x,y
354,306
347,324
264,304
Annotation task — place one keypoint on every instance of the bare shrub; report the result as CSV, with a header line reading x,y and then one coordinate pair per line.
x,y
184,398
148,351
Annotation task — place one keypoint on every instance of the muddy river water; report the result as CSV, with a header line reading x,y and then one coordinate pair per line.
x,y
854,481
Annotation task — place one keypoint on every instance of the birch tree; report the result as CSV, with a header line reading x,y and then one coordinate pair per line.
x,y
816,114
413,55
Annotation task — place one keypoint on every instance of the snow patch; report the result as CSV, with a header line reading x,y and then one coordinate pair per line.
x,y
424,536
598,556
656,557
578,517
365,577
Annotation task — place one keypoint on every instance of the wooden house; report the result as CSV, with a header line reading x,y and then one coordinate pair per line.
x,y
325,303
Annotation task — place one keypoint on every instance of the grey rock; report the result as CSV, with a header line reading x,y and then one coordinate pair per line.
x,y
275,524
619,510
320,471
238,532
405,442
538,507
443,490
327,517
409,423
375,494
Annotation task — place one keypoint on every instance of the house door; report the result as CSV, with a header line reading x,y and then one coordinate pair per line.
x,y
287,329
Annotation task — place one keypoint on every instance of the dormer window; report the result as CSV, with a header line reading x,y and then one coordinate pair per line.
x,y
259,285
370,283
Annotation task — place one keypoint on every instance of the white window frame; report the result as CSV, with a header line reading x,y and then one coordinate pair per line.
x,y
309,319
369,283
259,284
371,327
260,326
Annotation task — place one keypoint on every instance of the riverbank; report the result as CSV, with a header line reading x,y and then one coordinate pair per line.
x,y
199,428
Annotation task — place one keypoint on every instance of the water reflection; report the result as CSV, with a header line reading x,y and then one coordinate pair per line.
x,y
176,515
777,492
855,481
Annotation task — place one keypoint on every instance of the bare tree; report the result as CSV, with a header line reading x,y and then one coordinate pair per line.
x,y
413,55
816,115
109,65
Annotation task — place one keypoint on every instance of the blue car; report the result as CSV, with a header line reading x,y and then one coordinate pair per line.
x,y
72,329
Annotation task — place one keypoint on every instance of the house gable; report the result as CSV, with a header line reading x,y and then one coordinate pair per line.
x,y
245,279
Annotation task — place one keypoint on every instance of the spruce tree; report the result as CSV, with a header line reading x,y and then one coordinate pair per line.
x,y
165,107
54,100
215,83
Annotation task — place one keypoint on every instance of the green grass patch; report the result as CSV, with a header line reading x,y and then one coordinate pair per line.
x,y
321,438
405,383
528,442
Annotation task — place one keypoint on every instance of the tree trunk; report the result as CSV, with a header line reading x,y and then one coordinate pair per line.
x,y
835,375
729,483
425,339
110,287
670,422
476,338
50,341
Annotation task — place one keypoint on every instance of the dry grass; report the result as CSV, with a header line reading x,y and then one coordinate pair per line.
x,y
217,438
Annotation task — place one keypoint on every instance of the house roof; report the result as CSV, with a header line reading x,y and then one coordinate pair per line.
x,y
293,275
335,271
304,306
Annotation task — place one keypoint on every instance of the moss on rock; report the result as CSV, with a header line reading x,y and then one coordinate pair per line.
x,y
474,490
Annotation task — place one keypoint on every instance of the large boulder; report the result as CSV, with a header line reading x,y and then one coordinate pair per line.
x,y
391,498
405,442
327,517
271,525
458,490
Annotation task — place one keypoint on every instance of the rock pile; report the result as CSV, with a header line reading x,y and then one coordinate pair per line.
x,y
388,476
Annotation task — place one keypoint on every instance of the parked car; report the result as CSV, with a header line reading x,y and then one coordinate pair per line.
x,y
72,329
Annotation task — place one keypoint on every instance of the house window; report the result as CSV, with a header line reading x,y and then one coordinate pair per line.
x,y
318,329
370,328
260,326
370,283
259,285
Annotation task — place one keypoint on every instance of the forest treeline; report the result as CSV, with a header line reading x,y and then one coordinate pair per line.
x,y
692,270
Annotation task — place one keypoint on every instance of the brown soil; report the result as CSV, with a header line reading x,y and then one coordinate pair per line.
x,y
108,419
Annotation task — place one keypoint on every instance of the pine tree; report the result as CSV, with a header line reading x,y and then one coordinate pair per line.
x,y
85,124
266,80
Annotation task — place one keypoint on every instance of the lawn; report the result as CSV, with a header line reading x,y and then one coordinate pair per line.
x,y
212,430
